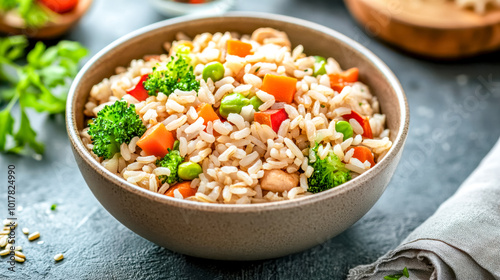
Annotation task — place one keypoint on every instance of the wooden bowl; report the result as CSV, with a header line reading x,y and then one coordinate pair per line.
x,y
439,29
239,232
12,24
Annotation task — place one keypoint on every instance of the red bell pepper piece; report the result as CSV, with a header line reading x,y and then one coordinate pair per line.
x,y
364,122
139,92
272,118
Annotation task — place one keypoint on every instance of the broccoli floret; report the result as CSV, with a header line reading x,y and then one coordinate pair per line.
x,y
172,161
178,75
115,124
328,172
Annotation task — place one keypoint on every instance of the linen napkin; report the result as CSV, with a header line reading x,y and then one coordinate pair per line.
x,y
460,241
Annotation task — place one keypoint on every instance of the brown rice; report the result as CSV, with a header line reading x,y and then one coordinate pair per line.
x,y
235,154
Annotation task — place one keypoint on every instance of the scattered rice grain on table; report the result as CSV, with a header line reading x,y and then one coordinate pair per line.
x,y
35,235
58,257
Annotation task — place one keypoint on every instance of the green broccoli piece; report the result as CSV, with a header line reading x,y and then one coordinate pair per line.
x,y
115,124
172,161
178,75
328,172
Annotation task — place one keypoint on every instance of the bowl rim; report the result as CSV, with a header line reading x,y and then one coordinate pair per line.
x,y
398,143
184,5
172,7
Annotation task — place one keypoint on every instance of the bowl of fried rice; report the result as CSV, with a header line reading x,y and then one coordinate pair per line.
x,y
242,137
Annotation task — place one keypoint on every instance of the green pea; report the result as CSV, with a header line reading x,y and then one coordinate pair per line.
x,y
213,70
232,103
344,128
256,102
319,66
189,170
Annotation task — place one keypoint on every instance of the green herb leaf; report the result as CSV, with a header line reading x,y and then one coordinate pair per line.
x,y
41,84
53,75
53,207
406,273
32,13
13,47
35,54
71,50
27,136
398,275
6,127
29,10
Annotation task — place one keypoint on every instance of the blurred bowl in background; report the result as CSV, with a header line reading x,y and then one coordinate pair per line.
x,y
198,7
433,29
11,23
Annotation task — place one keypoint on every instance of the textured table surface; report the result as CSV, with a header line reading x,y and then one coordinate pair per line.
x,y
455,110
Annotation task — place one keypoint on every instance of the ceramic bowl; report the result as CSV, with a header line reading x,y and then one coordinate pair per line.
x,y
172,8
239,232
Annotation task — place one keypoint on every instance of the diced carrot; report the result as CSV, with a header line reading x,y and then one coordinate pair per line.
x,y
283,88
272,118
339,80
363,121
363,154
157,140
350,75
138,91
206,111
184,188
239,48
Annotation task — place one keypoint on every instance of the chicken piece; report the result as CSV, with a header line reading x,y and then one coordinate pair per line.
x,y
267,35
279,180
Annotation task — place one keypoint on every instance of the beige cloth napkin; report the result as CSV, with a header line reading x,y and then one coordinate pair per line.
x,y
460,241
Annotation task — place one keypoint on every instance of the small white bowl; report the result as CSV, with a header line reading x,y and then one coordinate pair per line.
x,y
172,8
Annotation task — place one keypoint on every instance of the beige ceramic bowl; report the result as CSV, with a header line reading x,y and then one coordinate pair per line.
x,y
240,232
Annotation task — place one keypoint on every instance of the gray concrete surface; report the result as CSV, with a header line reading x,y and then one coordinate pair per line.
x,y
455,114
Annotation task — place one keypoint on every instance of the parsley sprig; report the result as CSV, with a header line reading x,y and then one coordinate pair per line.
x,y
396,276
41,84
